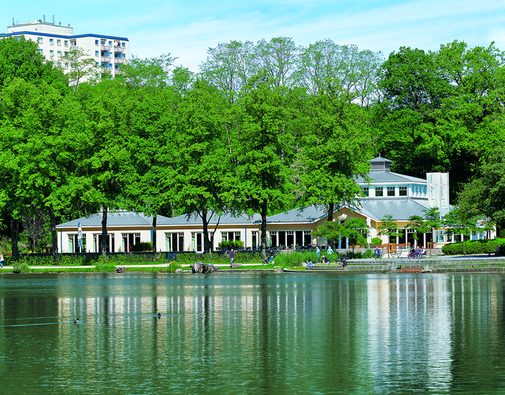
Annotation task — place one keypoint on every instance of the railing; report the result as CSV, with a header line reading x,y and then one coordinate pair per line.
x,y
119,60
119,49
105,48
105,59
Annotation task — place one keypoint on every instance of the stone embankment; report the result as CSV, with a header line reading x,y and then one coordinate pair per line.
x,y
426,265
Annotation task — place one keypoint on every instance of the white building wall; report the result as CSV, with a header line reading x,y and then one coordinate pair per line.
x,y
54,40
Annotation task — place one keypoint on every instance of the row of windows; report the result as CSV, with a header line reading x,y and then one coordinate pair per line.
x,y
40,40
390,191
109,54
103,42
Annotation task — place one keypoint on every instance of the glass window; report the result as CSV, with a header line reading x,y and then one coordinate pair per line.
x,y
439,236
96,53
66,43
379,191
51,52
39,40
122,44
366,191
110,43
59,53
40,51
51,41
391,191
58,42
403,191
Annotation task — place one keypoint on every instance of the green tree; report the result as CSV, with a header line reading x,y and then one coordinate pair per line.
x,y
148,176
389,228
331,153
355,229
277,59
457,221
201,146
35,148
81,66
324,66
229,66
20,58
441,110
418,225
104,153
261,154
484,195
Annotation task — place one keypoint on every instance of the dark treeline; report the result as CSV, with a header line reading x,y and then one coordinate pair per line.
x,y
261,128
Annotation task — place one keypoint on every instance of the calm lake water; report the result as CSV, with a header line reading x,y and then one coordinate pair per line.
x,y
252,333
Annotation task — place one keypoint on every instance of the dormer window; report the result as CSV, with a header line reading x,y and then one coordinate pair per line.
x,y
379,191
366,191
391,191
403,191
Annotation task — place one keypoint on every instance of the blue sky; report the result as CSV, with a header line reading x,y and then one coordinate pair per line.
x,y
186,29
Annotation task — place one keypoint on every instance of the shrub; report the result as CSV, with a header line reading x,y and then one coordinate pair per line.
x,y
229,244
104,265
474,247
173,267
368,254
19,267
294,259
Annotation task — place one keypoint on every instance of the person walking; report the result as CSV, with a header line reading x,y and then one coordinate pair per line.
x,y
232,255
271,256
318,253
1,260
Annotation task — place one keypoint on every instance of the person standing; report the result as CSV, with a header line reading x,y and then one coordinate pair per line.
x,y
271,256
329,251
1,260
318,253
232,255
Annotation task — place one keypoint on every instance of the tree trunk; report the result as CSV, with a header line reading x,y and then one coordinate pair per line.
x,y
15,237
331,208
54,233
155,216
206,242
264,230
103,244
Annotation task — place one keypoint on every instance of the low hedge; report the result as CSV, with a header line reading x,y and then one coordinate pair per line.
x,y
473,247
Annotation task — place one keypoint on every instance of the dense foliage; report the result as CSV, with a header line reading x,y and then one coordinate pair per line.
x,y
261,128
474,247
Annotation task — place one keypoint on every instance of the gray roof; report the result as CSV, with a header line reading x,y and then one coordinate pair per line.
x,y
226,219
399,208
119,218
308,214
388,176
